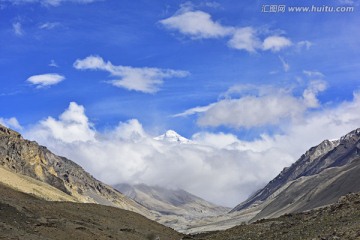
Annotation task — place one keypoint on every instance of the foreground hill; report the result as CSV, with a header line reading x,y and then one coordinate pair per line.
x,y
25,217
24,157
338,221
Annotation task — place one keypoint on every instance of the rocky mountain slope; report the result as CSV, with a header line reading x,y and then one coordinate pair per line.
x,y
26,217
337,221
24,157
322,175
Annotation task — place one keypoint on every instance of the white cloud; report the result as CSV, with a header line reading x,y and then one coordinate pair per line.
x,y
17,28
193,111
304,44
200,25
196,24
312,74
257,106
276,43
49,25
132,130
11,123
45,80
245,39
145,79
252,111
310,94
72,125
286,65
126,153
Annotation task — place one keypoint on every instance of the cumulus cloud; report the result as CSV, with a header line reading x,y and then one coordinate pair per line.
x,y
196,24
257,106
44,80
72,126
17,29
145,79
245,39
310,94
11,123
252,111
126,153
200,25
276,43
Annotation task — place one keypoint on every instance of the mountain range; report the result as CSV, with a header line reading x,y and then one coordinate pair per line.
x,y
308,190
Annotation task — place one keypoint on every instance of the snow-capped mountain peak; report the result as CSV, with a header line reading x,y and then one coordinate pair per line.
x,y
172,136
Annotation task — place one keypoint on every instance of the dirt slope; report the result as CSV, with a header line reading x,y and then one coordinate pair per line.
x,y
25,217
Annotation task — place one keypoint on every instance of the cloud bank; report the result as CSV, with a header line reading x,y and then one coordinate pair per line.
x,y
257,106
216,166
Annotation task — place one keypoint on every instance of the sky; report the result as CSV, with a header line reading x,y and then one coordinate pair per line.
x,y
253,84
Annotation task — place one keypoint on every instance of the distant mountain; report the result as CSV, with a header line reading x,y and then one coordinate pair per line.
x,y
172,137
169,201
24,157
320,177
178,208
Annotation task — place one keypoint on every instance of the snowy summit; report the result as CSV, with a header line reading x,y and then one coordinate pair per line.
x,y
172,136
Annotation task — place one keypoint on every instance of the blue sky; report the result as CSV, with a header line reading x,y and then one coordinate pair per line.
x,y
219,68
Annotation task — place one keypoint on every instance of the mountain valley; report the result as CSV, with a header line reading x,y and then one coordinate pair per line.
x,y
44,195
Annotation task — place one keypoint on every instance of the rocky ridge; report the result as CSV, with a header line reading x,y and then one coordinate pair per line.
x,y
317,179
30,159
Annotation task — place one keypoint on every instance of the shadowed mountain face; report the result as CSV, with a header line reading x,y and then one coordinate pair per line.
x,y
28,158
28,218
322,175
